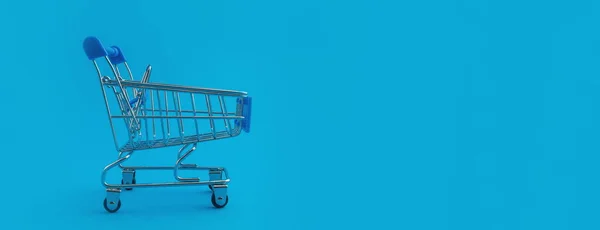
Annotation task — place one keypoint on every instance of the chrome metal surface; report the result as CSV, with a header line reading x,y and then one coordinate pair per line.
x,y
128,177
157,115
112,202
220,194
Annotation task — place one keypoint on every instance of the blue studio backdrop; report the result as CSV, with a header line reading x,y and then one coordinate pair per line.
x,y
433,114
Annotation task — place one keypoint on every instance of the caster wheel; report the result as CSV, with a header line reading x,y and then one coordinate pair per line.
x,y
132,182
213,199
112,210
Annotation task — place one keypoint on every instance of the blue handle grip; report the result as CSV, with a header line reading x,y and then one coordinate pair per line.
x,y
94,49
112,52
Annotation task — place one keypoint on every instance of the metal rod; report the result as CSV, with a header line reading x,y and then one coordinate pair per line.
x,y
153,123
167,119
112,127
183,117
179,162
146,123
119,83
183,89
128,70
168,184
183,167
210,115
181,150
162,123
224,111
194,109
112,165
177,102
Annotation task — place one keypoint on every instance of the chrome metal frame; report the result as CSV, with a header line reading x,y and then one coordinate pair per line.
x,y
148,111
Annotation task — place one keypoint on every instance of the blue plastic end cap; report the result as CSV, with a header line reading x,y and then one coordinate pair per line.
x,y
247,113
117,57
93,48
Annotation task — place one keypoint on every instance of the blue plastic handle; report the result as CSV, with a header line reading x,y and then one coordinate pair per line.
x,y
94,49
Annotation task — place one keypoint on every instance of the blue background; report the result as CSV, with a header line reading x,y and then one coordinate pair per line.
x,y
456,114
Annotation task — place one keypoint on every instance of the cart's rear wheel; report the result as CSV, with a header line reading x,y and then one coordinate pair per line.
x,y
213,200
109,209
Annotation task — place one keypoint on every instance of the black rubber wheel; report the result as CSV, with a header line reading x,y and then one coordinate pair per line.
x,y
214,201
132,182
111,210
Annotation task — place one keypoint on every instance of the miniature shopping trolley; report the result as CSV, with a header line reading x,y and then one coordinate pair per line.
x,y
145,115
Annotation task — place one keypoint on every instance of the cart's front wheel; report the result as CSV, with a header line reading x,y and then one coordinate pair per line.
x,y
111,206
219,202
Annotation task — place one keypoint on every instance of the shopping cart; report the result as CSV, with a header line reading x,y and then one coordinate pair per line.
x,y
163,115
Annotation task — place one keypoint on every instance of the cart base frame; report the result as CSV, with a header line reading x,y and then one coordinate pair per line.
x,y
218,179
